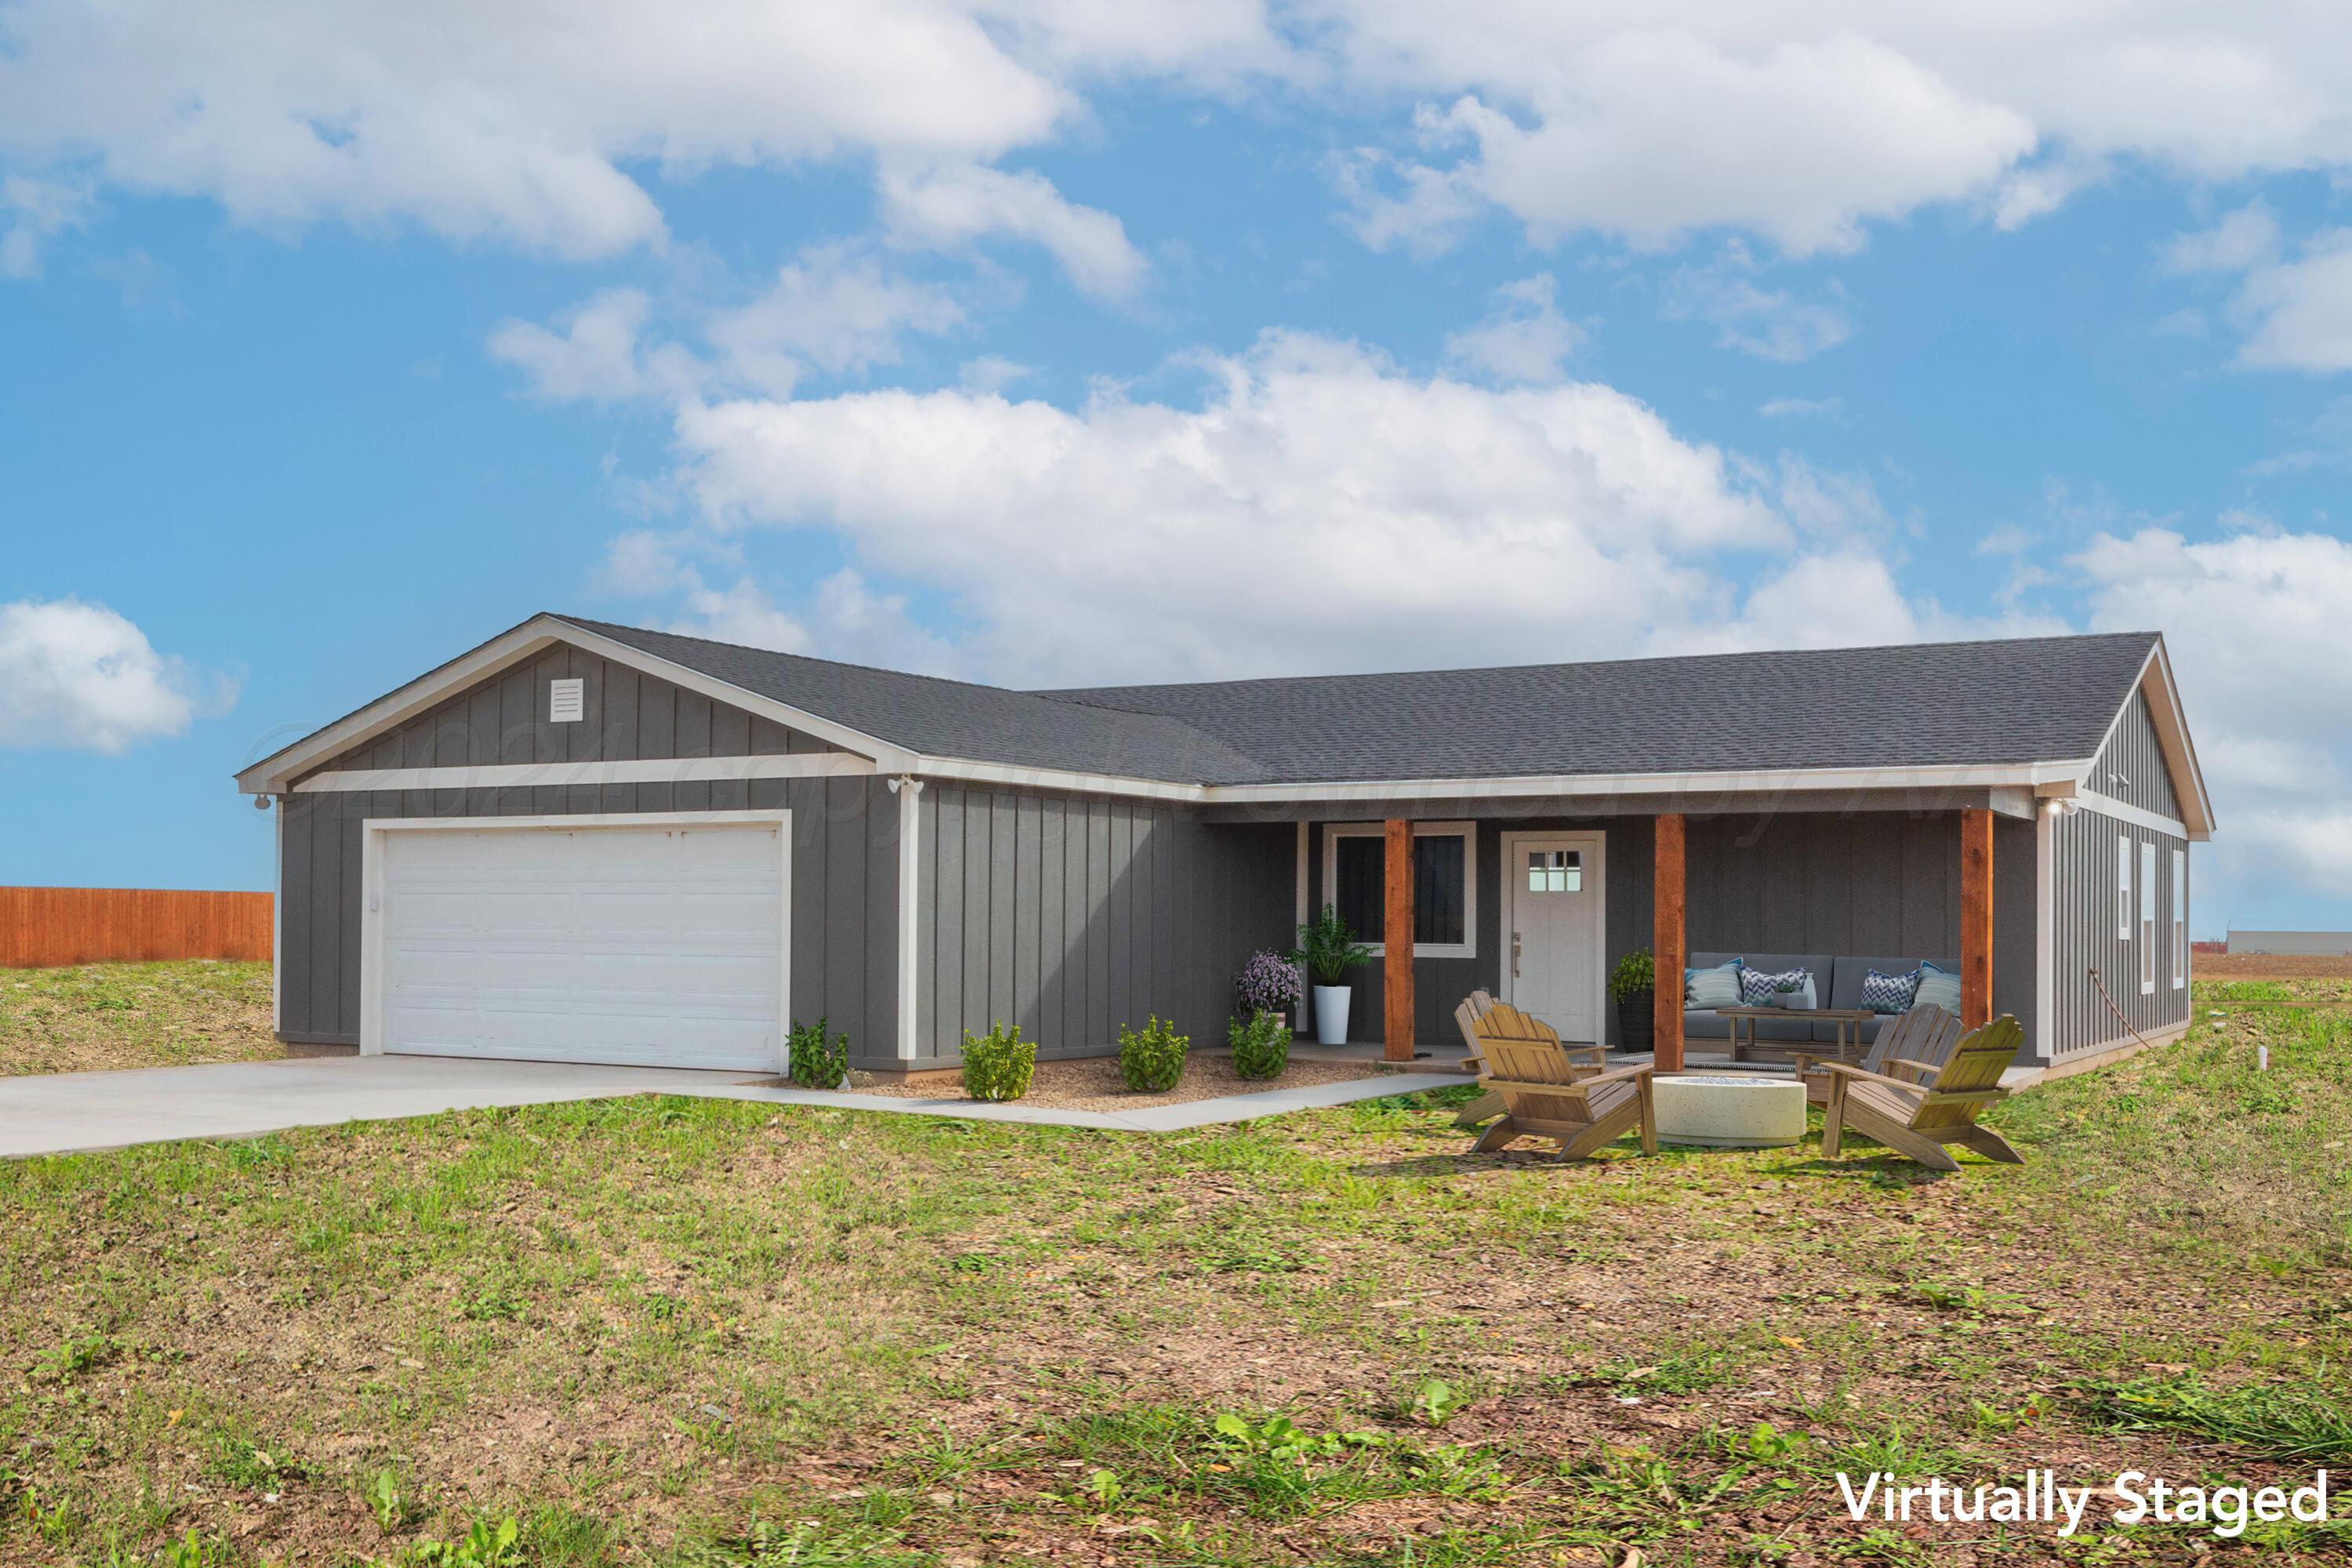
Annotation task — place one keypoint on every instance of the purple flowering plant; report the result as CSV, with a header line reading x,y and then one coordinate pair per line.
x,y
1268,982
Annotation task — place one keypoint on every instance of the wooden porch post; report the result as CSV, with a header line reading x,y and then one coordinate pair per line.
x,y
1396,979
1975,917
1667,944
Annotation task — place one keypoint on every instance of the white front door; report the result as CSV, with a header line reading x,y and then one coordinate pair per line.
x,y
1554,904
660,945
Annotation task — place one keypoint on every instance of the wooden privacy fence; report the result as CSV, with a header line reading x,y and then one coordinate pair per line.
x,y
46,926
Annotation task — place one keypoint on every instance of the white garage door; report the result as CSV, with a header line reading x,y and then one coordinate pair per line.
x,y
660,946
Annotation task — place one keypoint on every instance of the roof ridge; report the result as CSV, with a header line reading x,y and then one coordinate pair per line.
x,y
1088,693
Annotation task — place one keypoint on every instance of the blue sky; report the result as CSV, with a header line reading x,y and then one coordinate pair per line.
x,y
1048,342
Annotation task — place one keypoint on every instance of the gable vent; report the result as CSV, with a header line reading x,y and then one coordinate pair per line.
x,y
565,703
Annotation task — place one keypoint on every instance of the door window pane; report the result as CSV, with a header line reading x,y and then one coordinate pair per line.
x,y
1555,870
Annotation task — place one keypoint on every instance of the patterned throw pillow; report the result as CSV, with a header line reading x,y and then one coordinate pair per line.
x,y
1716,987
1757,989
1938,988
1885,993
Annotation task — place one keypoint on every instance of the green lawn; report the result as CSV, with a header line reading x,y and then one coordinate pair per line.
x,y
709,1332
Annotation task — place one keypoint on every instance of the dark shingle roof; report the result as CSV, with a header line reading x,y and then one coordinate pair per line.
x,y
2025,700
954,718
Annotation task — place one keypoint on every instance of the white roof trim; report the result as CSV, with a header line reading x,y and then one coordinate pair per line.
x,y
2171,738
274,774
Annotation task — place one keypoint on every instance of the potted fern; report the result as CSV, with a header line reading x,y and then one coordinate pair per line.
x,y
1634,982
1329,949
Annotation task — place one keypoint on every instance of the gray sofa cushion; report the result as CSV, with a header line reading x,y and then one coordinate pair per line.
x,y
1847,991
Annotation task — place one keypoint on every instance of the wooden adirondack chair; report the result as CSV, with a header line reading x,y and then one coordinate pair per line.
x,y
1547,1094
1912,1046
1917,1118
1477,1005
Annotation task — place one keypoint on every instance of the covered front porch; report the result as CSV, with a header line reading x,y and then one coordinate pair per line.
x,y
1539,906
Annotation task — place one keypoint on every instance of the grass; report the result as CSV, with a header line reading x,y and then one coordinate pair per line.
x,y
102,1016
711,1334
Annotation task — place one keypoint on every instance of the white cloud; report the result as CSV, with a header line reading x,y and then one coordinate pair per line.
x,y
78,676
2263,653
2239,240
1523,339
2303,309
531,124
834,308
1770,323
1804,120
1317,510
31,211
960,204
597,357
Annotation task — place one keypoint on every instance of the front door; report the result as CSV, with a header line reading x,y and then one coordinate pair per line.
x,y
1554,902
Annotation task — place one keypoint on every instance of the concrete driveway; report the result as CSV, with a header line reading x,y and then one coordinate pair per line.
x,y
64,1112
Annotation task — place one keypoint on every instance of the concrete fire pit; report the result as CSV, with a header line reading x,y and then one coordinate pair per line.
x,y
1725,1110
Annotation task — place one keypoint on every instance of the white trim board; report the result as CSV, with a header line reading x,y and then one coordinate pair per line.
x,y
2120,811
374,831
909,792
650,770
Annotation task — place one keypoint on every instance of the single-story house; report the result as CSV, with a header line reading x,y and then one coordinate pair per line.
x,y
596,842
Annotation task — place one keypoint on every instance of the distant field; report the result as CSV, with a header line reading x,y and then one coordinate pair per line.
x,y
2269,966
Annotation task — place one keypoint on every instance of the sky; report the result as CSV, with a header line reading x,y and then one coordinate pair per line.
x,y
1055,342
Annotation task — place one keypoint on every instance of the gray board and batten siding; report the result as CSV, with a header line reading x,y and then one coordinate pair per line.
x,y
2131,768
2085,926
844,892
1073,914
1789,881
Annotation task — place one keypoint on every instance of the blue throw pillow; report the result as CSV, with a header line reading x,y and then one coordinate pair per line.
x,y
1938,988
1716,987
1757,989
1885,993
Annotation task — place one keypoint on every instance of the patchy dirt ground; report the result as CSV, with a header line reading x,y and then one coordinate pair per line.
x,y
673,1333
102,1016
1095,1085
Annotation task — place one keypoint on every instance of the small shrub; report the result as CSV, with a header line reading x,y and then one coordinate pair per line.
x,y
1633,974
818,1060
999,1064
1261,1044
1268,982
1152,1061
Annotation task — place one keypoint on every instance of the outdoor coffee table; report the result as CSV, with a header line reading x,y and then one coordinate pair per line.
x,y
1849,1022
1728,1110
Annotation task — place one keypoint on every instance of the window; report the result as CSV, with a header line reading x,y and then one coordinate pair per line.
x,y
1445,877
2179,918
1555,870
2123,890
2146,918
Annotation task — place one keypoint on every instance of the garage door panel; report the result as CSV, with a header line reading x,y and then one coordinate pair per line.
x,y
650,945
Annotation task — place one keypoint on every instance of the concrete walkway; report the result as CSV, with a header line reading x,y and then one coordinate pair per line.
x,y
65,1113
1175,1118
68,1113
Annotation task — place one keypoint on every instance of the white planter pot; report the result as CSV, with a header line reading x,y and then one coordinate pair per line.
x,y
1331,1015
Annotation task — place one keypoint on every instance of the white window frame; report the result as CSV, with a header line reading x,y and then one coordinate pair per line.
x,y
1467,831
2123,887
2179,918
2147,918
